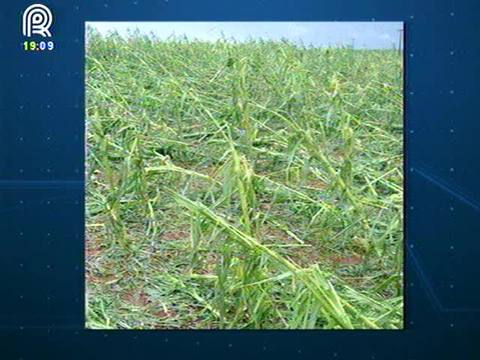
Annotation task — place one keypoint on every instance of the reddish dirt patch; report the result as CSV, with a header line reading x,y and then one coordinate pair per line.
x,y
348,260
317,184
305,256
92,251
90,279
138,299
265,206
175,235
165,313
92,247
270,233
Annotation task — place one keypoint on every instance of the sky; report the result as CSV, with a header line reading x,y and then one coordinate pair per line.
x,y
362,35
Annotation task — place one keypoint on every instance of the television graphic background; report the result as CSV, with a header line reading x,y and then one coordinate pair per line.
x,y
42,187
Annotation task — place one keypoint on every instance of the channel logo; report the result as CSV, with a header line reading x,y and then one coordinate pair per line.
x,y
37,19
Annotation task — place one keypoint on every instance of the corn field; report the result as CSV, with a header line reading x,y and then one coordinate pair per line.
x,y
243,185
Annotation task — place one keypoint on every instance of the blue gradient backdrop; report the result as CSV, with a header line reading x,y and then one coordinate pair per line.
x,y
42,188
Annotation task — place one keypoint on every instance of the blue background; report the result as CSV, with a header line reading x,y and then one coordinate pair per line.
x,y
42,188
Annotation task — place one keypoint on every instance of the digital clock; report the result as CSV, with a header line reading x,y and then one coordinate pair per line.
x,y
38,46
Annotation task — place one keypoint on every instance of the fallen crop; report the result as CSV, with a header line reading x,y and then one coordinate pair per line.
x,y
243,185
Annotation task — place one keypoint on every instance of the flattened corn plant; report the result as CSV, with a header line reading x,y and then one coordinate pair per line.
x,y
243,185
